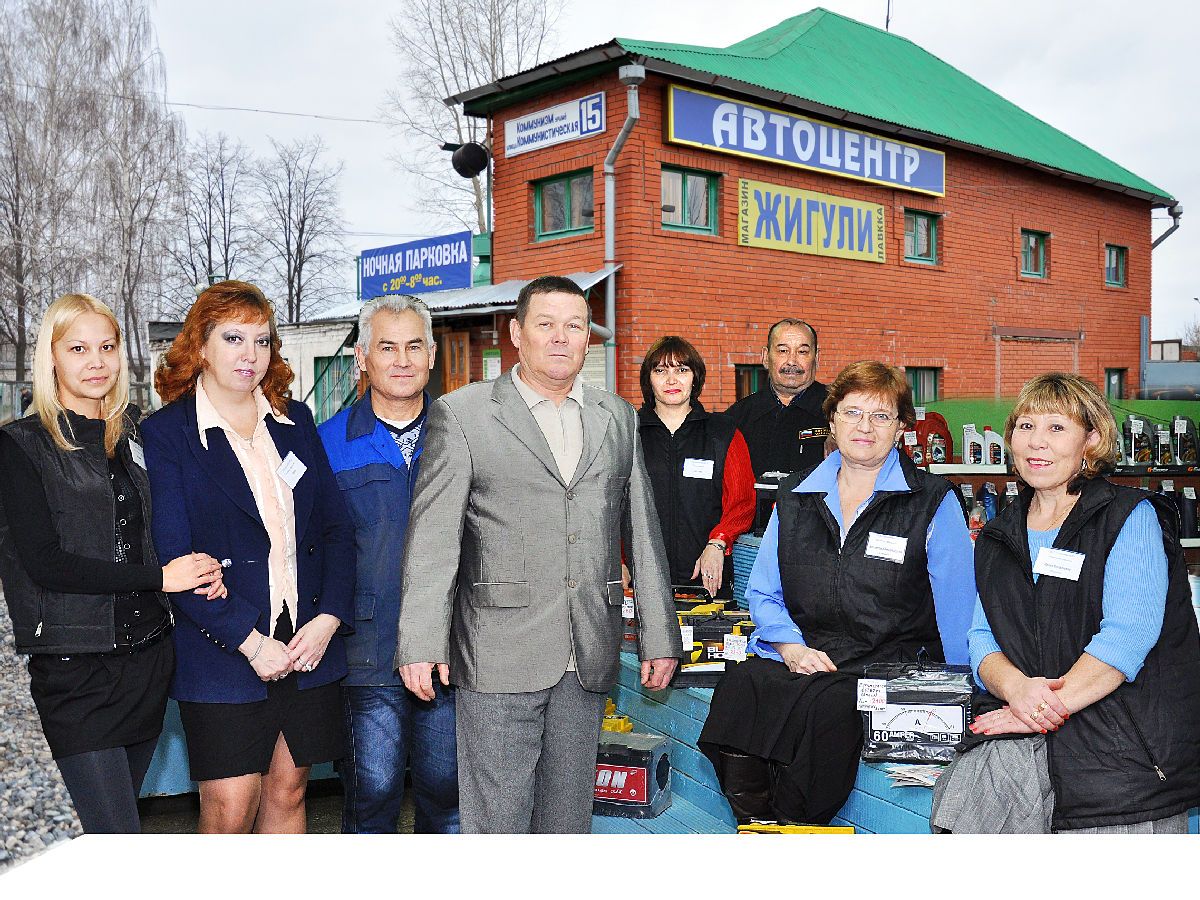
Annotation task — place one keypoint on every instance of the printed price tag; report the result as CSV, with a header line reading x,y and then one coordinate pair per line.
x,y
872,695
627,607
1167,484
1010,488
1164,437
734,647
1190,493
139,456
910,439
968,491
685,632
1181,426
1135,425
920,413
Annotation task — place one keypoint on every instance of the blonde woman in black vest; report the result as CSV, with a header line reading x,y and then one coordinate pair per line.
x,y
82,584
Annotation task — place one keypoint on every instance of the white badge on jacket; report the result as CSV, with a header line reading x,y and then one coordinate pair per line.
x,y
1059,563
139,456
697,468
292,470
886,546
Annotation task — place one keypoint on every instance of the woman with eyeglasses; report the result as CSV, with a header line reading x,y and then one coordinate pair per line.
x,y
699,467
866,560
83,584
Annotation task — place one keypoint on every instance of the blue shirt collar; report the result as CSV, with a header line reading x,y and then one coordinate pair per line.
x,y
823,479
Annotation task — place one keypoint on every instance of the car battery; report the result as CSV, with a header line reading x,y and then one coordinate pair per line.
x,y
914,713
704,633
633,776
777,828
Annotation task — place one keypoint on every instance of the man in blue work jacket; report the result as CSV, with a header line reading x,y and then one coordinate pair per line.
x,y
374,448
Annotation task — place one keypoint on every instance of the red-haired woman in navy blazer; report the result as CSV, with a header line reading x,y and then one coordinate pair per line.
x,y
237,471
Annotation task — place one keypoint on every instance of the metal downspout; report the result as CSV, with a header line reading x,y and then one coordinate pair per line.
x,y
631,76
1176,213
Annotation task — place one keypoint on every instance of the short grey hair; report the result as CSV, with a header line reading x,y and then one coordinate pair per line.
x,y
396,303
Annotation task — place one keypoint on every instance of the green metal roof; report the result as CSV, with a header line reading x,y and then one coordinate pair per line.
x,y
830,60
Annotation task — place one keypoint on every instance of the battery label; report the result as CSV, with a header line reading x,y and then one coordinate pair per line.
x,y
621,783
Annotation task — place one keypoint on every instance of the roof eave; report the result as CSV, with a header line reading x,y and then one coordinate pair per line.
x,y
581,60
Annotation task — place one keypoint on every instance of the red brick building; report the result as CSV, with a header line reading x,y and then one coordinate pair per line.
x,y
1019,252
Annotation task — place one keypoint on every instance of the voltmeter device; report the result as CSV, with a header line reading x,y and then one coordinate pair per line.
x,y
914,713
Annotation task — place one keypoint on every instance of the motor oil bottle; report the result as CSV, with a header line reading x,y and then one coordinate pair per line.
x,y
972,454
1163,453
989,499
1183,434
993,447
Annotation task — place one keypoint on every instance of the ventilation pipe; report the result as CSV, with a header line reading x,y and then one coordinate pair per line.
x,y
631,77
1176,213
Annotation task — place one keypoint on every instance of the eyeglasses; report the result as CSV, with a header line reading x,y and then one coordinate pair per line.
x,y
854,416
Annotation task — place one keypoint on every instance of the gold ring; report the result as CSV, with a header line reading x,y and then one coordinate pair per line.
x,y
1036,714
1041,706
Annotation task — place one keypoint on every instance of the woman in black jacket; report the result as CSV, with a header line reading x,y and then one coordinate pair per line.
x,y
82,584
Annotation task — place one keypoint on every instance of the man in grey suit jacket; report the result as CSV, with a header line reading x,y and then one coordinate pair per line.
x,y
512,571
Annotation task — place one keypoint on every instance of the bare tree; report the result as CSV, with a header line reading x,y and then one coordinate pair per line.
x,y
300,226
215,234
462,44
1191,334
50,57
135,174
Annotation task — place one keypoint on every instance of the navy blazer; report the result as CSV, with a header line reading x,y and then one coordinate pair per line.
x,y
202,503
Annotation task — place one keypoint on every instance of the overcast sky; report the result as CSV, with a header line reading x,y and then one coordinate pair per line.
x,y
1121,77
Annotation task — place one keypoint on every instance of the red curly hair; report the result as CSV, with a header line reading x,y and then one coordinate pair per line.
x,y
225,301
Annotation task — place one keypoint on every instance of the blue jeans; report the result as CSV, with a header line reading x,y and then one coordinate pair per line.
x,y
387,727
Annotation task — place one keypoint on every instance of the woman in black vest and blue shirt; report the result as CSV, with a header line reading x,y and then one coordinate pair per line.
x,y
699,467
83,586
866,559
1084,638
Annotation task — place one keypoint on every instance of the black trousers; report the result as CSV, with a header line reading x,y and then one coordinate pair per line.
x,y
104,786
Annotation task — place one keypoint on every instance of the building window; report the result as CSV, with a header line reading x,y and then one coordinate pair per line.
x,y
563,205
1114,384
748,379
920,237
924,384
1114,265
689,200
1033,253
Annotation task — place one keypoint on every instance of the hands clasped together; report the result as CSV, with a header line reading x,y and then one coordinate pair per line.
x,y
273,660
1033,707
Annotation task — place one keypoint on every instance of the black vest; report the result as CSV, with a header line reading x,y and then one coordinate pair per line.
x,y
1133,756
858,609
783,438
688,508
80,498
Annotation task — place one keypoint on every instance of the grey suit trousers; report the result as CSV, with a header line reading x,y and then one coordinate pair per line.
x,y
527,761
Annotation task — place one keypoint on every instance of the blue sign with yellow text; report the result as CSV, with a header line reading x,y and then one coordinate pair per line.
x,y
417,267
700,119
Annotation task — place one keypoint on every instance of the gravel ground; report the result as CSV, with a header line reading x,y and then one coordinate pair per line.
x,y
35,808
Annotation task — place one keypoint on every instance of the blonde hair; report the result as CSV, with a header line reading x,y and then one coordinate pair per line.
x,y
1081,402
59,317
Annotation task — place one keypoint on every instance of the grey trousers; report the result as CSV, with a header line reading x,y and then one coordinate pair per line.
x,y
527,762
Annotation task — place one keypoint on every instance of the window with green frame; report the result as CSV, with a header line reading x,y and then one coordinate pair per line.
x,y
748,379
1114,384
1114,265
689,200
1033,253
563,205
920,237
923,382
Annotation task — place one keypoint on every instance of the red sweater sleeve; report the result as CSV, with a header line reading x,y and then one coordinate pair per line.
x,y
737,494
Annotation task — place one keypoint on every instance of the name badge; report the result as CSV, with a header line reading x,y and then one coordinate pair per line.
x,y
291,470
886,546
698,468
1059,563
139,455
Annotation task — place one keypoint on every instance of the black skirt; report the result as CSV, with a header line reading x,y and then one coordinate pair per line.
x,y
808,726
225,740
100,701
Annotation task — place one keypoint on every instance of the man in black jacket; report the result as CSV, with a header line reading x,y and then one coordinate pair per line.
x,y
783,423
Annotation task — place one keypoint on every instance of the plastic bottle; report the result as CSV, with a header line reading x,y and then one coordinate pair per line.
x,y
993,447
989,499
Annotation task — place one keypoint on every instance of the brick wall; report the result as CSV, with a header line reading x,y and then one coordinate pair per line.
x,y
958,316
